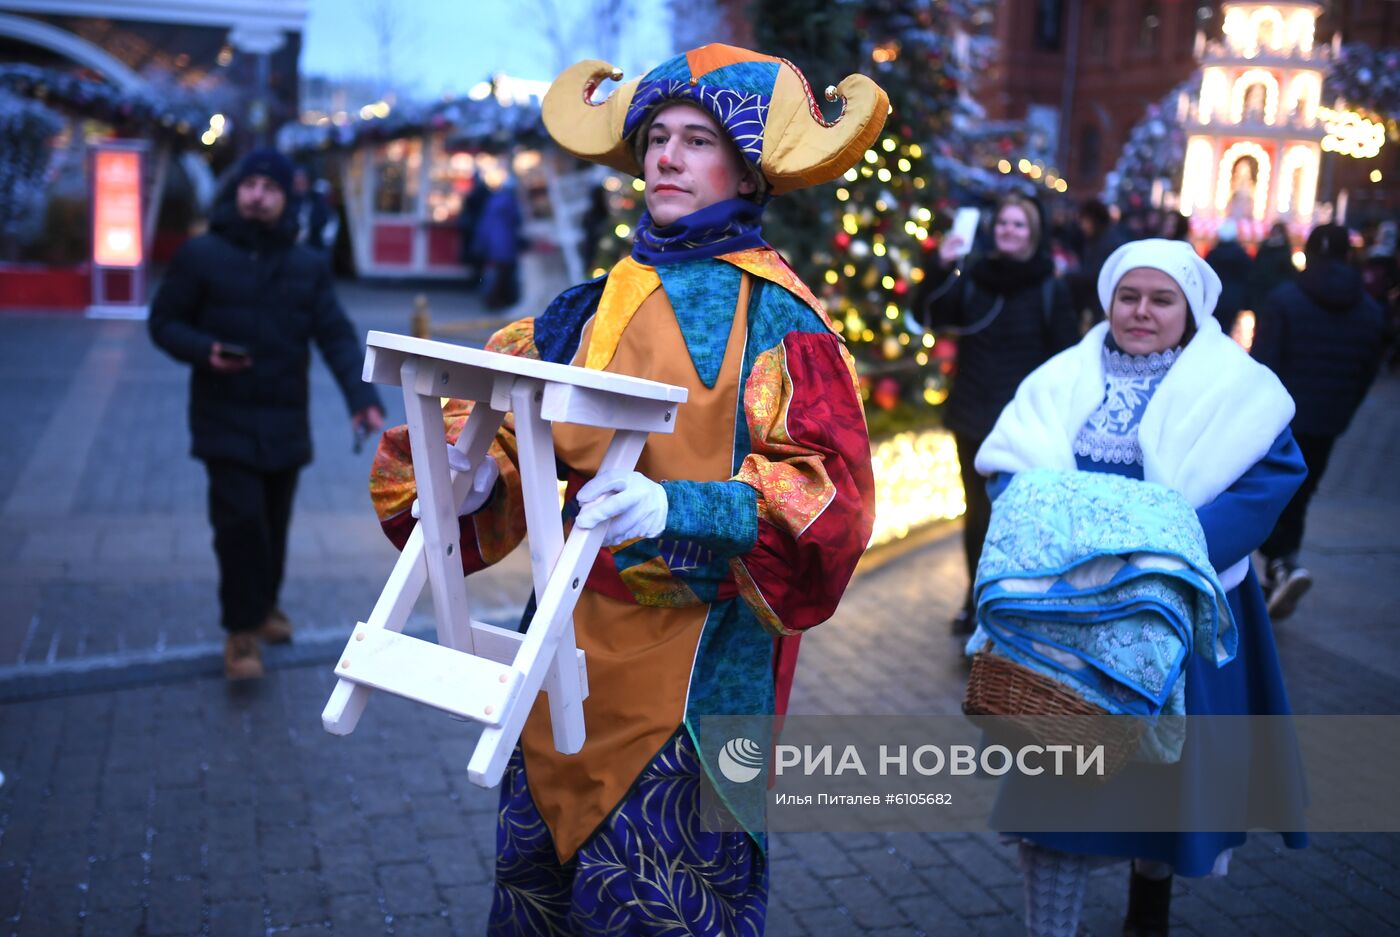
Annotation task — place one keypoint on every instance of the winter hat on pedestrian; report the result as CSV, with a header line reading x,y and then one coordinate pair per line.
x,y
265,161
1328,242
764,104
1176,259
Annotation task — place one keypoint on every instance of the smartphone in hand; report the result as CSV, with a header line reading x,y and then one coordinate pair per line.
x,y
233,353
965,228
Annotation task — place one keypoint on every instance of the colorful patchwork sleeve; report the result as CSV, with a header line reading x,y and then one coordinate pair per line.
x,y
492,532
807,477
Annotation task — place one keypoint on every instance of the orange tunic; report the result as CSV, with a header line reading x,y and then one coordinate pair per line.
x,y
639,657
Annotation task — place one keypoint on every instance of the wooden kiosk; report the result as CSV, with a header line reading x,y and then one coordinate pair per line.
x,y
477,671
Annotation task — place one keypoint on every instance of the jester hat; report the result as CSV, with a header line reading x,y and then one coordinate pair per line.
x,y
763,103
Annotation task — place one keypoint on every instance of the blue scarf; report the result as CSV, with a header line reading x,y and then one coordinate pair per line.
x,y
721,228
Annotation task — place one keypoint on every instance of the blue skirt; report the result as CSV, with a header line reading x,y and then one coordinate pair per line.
x,y
649,868
1251,684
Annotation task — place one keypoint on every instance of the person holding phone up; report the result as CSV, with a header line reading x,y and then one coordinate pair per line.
x,y
242,305
1008,314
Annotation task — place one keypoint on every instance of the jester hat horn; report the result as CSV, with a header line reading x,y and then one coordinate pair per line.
x,y
763,103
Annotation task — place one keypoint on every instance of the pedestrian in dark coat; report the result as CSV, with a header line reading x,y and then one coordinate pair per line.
x,y
1322,336
1231,263
1273,265
1009,314
313,211
242,305
497,245
467,220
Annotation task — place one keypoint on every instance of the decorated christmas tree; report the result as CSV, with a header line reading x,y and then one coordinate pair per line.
x,y
1369,79
862,242
1155,151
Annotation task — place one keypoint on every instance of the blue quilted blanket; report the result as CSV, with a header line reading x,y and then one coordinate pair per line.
x,y
1104,584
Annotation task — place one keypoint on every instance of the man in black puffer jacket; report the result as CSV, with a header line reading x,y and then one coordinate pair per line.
x,y
1321,334
242,305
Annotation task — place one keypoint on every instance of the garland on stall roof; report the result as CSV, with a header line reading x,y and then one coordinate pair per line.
x,y
25,130
470,125
144,111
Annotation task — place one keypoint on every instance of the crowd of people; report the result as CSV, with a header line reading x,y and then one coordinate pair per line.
x,y
1017,299
1095,369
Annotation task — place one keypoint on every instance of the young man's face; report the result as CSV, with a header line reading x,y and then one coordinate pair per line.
x,y
690,164
261,199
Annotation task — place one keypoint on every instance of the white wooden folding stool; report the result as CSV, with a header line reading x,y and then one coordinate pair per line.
x,y
477,671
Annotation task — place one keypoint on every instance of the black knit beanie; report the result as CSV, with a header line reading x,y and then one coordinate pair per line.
x,y
266,162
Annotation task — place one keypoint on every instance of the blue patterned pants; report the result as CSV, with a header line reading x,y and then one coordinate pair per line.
x,y
649,869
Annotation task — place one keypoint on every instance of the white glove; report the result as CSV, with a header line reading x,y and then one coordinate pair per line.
x,y
483,480
635,504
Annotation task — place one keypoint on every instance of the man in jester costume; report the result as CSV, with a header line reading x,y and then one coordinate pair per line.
x,y
734,535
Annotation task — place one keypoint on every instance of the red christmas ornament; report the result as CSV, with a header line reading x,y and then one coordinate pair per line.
x,y
886,395
900,287
843,240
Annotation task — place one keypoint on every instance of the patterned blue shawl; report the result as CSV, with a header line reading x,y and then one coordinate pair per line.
x,y
1104,584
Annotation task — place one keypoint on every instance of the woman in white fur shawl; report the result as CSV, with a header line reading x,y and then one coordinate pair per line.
x,y
1159,393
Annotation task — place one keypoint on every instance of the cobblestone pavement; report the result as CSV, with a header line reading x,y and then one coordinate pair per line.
x,y
142,795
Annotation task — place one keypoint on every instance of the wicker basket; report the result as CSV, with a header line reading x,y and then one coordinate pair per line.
x,y
1003,688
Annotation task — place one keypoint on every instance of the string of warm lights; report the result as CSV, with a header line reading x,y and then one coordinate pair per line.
x,y
916,483
1036,171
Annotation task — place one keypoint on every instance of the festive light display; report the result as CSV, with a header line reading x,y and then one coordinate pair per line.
x,y
1266,74
1350,134
916,483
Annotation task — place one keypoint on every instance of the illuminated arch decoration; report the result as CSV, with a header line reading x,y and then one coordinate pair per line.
x,y
1304,93
1301,27
1215,94
1300,162
1236,29
1196,177
1261,184
1247,80
1278,35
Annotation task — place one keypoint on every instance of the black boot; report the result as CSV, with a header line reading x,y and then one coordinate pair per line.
x,y
1149,906
965,621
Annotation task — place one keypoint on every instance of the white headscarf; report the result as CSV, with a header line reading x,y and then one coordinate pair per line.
x,y
1176,259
